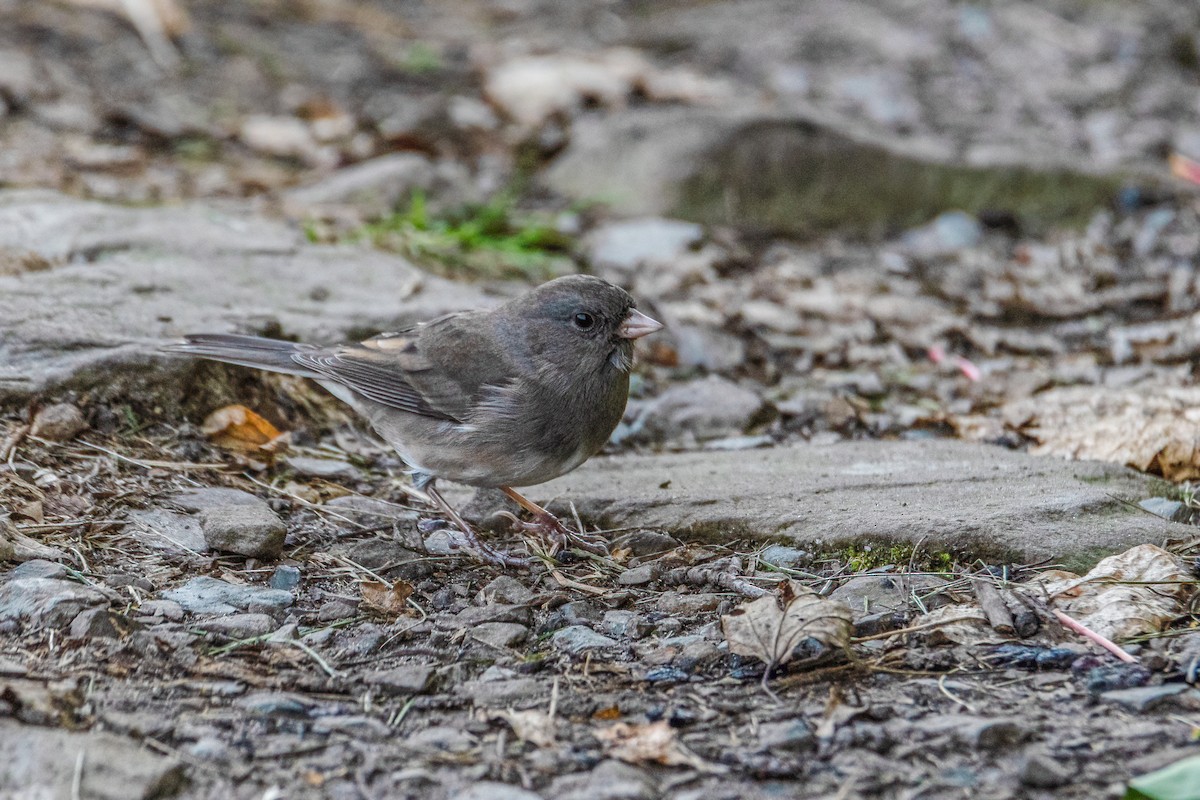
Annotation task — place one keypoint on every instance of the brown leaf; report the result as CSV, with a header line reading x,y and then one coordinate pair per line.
x,y
770,627
654,743
388,599
239,429
531,725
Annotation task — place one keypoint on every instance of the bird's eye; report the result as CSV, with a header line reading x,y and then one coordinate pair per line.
x,y
584,321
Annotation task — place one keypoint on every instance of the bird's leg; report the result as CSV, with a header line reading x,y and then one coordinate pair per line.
x,y
552,528
483,551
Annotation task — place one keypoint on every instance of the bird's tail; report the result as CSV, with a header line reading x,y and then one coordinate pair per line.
x,y
246,351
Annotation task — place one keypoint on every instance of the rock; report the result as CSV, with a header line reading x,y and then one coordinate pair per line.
x,y
254,531
646,543
1145,698
284,136
884,593
406,679
471,616
610,780
705,165
206,595
503,693
330,469
505,589
972,499
636,576
1162,507
576,640
166,530
499,634
687,604
136,277
239,626
707,408
371,511
285,577
442,739
980,733
1040,771
38,568
377,186
618,249
60,422
43,762
491,790
624,624
167,609
948,233
789,734
214,497
779,555
46,602
95,623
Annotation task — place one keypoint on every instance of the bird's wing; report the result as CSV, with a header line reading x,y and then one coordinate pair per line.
x,y
437,369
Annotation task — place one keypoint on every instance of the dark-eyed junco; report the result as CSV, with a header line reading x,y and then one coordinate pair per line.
x,y
510,397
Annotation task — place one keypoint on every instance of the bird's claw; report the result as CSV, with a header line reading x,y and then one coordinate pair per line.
x,y
549,527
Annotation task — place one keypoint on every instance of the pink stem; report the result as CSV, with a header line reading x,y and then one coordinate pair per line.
x,y
1090,634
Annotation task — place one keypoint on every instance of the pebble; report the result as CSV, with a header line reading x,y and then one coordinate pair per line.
x,y
276,704
442,738
689,604
214,497
505,589
789,735
38,568
209,748
167,609
330,469
1162,507
646,543
1040,771
638,575
254,531
239,626
619,248
610,780
491,790
95,623
471,616
370,511
779,555
708,408
60,422
402,680
207,595
1144,698
499,634
577,639
46,602
285,577
980,733
624,624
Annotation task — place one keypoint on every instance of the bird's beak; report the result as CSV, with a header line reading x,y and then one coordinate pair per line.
x,y
637,324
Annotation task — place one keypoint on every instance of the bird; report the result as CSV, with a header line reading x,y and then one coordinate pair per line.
x,y
508,397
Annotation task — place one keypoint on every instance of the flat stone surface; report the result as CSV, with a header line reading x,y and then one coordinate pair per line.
x,y
205,595
104,286
946,494
38,762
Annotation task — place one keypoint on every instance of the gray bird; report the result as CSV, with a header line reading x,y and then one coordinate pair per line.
x,y
515,396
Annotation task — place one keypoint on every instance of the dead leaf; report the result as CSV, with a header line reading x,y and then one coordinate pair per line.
x,y
653,743
240,430
770,627
530,726
388,599
1152,431
1126,595
958,624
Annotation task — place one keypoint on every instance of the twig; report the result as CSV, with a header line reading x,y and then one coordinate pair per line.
x,y
77,778
993,606
1091,635
572,584
941,683
322,663
11,442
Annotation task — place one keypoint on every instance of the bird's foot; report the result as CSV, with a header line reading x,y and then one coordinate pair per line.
x,y
551,528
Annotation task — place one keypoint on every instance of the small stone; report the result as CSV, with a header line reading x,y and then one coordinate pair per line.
x,y
688,604
490,790
980,733
576,639
579,612
779,555
787,735
371,511
166,530
1162,507
285,577
1040,771
60,422
610,780
1144,698
214,497
329,469
210,748
499,634
46,601
619,248
336,609
505,589
442,739
95,623
624,624
254,531
708,408
207,595
646,543
406,679
167,609
239,626
638,575
471,616
38,568
502,693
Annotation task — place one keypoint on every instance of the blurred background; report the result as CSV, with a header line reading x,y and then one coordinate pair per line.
x,y
891,218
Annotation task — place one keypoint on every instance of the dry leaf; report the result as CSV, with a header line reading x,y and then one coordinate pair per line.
x,y
1126,595
1152,431
239,429
959,624
388,599
770,627
530,726
654,742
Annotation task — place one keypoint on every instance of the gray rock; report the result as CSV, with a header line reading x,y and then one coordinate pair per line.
x,y
442,739
779,555
788,734
214,497
505,589
1039,771
254,531
95,623
46,602
975,499
377,186
491,790
1145,698
646,543
59,422
616,250
42,762
38,568
687,604
1162,507
167,609
636,576
707,408
371,511
122,280
166,530
877,593
977,732
610,780
285,577
503,693
207,595
471,616
405,679
705,165
576,640
330,469
624,624
499,634
239,626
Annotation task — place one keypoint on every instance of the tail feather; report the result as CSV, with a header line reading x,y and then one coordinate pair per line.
x,y
246,351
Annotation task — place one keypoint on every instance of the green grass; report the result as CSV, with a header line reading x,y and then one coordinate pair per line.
x,y
492,240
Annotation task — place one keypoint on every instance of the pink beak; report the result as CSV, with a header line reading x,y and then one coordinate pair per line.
x,y
637,324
